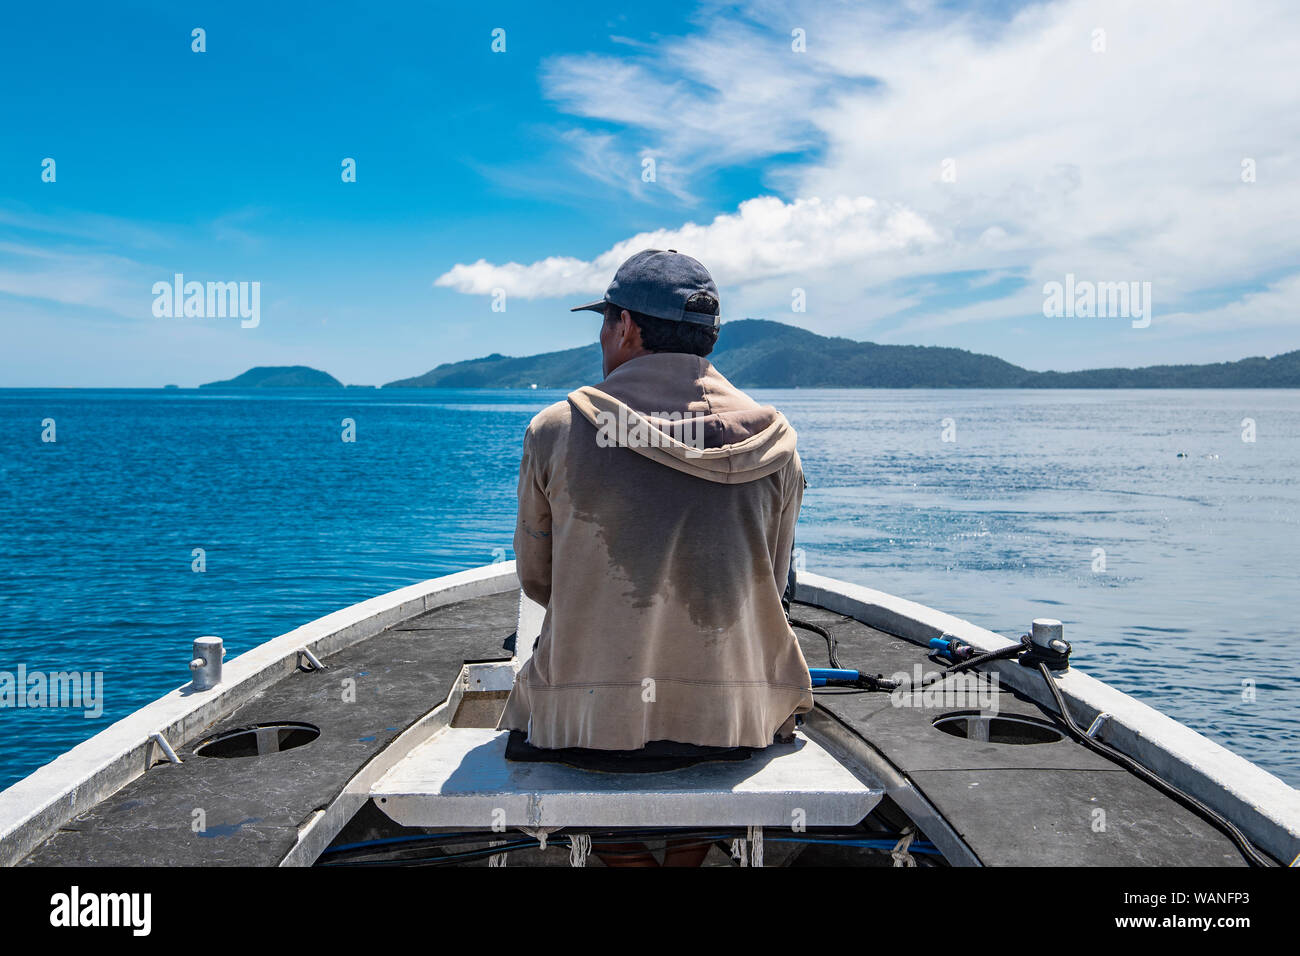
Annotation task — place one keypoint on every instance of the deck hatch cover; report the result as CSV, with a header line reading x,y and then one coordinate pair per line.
x,y
998,729
257,740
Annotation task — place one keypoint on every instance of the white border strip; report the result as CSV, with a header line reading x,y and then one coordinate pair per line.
x,y
94,770
1261,805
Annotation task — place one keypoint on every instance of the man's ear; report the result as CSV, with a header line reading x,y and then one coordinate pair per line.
x,y
629,332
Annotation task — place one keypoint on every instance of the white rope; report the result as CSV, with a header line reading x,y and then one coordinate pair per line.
x,y
899,852
497,859
539,834
756,846
739,852
579,847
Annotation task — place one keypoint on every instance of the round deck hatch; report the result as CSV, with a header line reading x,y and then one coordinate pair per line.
x,y
985,728
257,740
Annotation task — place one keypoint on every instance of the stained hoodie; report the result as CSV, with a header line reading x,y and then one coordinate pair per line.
x,y
656,517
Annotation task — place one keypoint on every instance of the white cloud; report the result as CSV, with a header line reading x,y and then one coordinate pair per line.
x,y
764,238
708,100
1123,165
1276,305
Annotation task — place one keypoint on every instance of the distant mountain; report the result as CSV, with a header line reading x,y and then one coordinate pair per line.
x,y
279,376
757,353
1280,371
567,369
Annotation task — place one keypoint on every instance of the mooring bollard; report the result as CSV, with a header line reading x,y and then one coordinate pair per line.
x,y
1047,635
206,665
1045,630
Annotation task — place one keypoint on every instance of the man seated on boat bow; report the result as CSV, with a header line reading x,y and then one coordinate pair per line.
x,y
656,518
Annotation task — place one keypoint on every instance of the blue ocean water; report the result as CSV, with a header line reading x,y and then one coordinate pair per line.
x,y
1191,598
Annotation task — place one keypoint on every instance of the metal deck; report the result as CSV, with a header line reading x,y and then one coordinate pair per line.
x,y
1019,805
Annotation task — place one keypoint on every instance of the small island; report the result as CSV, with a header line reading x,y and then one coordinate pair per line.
x,y
279,376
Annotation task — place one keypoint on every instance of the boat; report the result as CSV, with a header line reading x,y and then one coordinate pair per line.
x,y
367,738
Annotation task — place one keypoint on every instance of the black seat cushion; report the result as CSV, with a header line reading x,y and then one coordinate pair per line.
x,y
656,757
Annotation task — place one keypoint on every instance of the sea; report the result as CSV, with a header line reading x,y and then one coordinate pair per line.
x,y
1162,527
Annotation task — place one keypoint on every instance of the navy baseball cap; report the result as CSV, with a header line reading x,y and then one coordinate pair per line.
x,y
659,283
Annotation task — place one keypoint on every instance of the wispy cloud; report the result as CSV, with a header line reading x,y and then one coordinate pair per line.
x,y
72,277
1277,305
1030,143
102,262
691,109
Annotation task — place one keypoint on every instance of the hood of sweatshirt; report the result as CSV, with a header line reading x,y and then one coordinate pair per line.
x,y
680,411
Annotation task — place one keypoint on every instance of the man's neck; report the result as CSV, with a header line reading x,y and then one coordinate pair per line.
x,y
622,359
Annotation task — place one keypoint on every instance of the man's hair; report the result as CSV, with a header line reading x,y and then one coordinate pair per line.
x,y
667,335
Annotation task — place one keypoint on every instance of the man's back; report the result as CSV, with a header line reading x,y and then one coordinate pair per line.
x,y
656,519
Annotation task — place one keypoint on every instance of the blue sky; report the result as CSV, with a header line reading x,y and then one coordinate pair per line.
x,y
821,169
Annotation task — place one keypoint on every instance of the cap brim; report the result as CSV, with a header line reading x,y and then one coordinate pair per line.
x,y
597,306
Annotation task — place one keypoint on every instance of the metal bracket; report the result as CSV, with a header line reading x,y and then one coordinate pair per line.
x,y
161,741
1098,722
315,663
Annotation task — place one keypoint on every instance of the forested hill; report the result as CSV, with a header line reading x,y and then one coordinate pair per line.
x,y
758,353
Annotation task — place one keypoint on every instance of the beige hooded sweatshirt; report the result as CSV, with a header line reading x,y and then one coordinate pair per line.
x,y
656,517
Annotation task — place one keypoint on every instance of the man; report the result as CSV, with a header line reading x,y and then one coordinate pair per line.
x,y
656,518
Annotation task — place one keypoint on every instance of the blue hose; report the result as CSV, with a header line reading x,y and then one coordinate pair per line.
x,y
820,675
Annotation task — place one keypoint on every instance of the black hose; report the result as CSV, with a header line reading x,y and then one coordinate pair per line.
x,y
832,645
1011,650
1248,849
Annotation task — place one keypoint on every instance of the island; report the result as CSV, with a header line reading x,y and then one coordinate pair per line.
x,y
759,353
279,376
